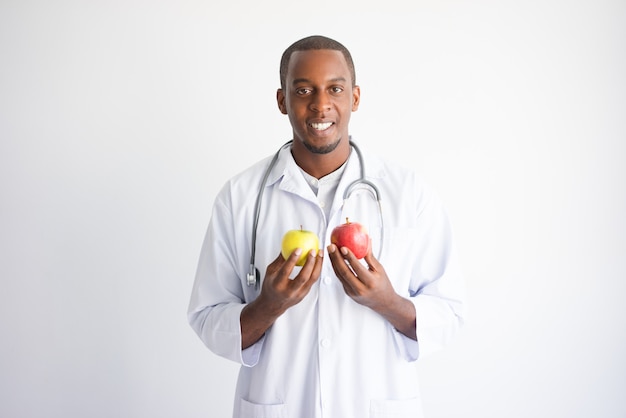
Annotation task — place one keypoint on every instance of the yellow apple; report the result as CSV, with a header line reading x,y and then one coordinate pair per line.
x,y
299,238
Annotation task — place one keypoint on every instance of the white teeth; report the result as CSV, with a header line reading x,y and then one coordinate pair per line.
x,y
321,126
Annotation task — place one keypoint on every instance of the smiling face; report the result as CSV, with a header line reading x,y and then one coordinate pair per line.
x,y
318,97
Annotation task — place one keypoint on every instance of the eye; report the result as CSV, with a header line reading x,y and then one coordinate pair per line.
x,y
303,91
336,89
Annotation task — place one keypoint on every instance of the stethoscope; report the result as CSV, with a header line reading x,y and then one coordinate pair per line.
x,y
254,276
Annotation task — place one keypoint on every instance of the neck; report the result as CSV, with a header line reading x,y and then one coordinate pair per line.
x,y
320,165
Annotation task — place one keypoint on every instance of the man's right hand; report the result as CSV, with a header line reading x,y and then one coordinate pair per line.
x,y
278,293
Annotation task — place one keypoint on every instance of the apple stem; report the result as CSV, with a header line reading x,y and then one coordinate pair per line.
x,y
347,220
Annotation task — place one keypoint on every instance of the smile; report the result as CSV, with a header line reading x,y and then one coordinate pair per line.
x,y
321,126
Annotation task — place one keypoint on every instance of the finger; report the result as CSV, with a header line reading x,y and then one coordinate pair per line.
x,y
311,269
342,270
274,266
336,259
358,269
287,266
372,262
307,267
317,268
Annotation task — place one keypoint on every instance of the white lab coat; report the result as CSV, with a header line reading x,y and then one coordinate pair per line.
x,y
328,356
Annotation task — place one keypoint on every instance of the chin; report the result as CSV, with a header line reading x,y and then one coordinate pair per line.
x,y
321,148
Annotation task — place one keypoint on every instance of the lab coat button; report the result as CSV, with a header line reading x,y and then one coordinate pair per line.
x,y
325,343
326,280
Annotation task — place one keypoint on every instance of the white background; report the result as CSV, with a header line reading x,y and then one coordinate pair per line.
x,y
120,120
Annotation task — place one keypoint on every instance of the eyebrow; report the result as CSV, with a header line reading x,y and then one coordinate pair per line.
x,y
306,80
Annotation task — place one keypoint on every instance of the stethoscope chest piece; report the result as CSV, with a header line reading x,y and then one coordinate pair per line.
x,y
253,277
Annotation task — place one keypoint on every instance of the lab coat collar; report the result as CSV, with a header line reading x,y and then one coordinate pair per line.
x,y
291,179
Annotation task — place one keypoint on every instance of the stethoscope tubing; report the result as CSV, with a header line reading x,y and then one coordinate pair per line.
x,y
254,276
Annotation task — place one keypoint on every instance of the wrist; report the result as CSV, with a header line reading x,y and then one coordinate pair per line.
x,y
265,309
400,313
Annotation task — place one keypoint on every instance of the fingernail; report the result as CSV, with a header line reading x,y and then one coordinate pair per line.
x,y
298,251
344,251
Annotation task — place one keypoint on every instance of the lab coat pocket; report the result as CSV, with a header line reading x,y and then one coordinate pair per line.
x,y
253,410
406,408
399,249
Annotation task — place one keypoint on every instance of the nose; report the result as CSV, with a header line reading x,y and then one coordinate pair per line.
x,y
320,102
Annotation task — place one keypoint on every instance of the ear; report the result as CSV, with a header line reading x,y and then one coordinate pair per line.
x,y
280,99
356,98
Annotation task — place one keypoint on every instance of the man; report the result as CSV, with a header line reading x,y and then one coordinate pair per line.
x,y
344,346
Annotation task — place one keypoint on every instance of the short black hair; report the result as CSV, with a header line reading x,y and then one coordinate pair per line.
x,y
314,42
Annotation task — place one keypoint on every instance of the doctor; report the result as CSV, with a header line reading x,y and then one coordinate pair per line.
x,y
337,337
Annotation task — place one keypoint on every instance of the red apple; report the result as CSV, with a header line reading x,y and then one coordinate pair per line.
x,y
352,235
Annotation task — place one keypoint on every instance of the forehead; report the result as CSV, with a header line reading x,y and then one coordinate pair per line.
x,y
319,64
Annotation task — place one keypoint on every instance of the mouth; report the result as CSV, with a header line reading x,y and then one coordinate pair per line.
x,y
321,126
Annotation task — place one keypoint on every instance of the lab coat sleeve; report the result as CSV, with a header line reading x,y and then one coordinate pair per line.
x,y
438,291
217,297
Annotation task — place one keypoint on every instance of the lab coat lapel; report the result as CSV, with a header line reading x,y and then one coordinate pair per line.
x,y
351,173
290,178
